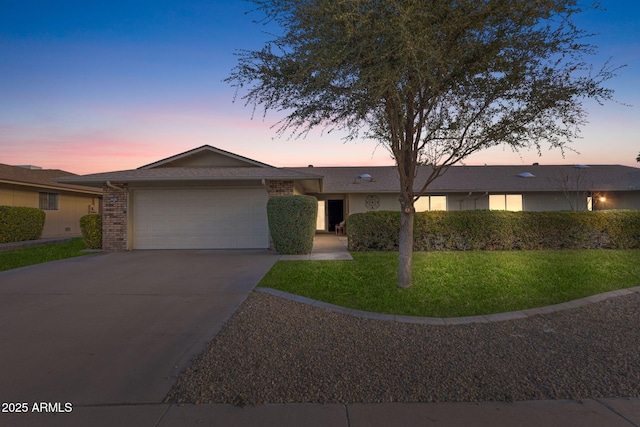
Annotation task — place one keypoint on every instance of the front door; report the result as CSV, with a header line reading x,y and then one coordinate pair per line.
x,y
336,213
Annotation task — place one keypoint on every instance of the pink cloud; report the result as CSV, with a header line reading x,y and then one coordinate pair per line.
x,y
105,138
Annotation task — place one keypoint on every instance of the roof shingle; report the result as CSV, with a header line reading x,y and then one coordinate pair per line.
x,y
40,177
480,178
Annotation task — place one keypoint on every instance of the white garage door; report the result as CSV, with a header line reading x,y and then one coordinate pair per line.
x,y
200,219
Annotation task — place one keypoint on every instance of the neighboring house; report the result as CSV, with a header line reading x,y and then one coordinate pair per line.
x,y
63,204
208,198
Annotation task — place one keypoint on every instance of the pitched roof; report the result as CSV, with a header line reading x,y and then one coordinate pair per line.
x,y
204,164
200,151
480,178
43,178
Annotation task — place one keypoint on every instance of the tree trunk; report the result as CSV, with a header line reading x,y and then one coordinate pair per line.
x,y
405,248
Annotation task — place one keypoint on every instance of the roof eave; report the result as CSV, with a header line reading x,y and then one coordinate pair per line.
x,y
99,182
52,187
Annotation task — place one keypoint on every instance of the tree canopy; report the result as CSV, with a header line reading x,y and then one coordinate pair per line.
x,y
433,81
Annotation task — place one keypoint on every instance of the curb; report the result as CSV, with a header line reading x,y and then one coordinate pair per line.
x,y
445,321
12,246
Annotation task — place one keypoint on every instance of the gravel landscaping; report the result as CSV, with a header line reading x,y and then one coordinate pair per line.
x,y
278,351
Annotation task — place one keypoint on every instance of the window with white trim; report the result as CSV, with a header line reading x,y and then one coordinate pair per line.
x,y
49,201
431,203
505,202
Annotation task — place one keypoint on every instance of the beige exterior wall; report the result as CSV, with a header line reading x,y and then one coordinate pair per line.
x,y
16,195
628,200
387,202
298,189
59,223
66,220
532,201
554,202
207,159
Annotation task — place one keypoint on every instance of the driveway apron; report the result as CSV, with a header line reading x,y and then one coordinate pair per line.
x,y
117,327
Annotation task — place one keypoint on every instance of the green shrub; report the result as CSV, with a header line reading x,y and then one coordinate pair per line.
x,y
373,231
18,224
497,230
292,223
91,227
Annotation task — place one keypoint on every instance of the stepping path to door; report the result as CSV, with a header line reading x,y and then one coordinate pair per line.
x,y
326,247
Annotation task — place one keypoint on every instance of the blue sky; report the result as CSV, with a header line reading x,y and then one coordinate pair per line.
x,y
100,86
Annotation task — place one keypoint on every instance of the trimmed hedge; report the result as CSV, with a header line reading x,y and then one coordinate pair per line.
x,y
91,227
497,230
18,224
292,223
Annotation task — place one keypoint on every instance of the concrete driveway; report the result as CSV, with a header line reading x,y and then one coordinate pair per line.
x,y
116,328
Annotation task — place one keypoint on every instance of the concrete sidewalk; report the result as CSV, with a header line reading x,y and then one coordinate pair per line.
x,y
565,413
326,247
113,407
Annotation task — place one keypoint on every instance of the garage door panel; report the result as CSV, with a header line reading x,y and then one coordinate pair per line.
x,y
200,219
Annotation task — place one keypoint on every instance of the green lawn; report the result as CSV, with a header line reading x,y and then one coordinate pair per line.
x,y
449,284
40,254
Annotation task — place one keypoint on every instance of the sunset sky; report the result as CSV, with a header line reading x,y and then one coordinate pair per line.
x,y
89,86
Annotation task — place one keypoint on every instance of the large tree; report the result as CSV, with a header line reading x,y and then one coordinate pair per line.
x,y
431,80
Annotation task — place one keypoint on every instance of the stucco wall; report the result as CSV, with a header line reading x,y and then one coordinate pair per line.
x,y
58,223
388,202
66,221
533,201
208,160
548,201
620,200
14,195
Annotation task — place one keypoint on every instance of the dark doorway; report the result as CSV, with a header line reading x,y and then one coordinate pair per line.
x,y
336,213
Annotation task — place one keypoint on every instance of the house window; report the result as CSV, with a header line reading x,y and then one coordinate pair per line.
x,y
49,201
438,203
505,202
431,203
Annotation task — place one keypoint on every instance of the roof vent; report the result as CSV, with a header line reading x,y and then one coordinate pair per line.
x,y
361,177
581,166
526,175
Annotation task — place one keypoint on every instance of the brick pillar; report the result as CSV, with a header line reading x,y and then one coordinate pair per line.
x,y
114,218
280,188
